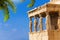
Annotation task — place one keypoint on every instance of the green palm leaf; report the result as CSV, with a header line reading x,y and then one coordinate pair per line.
x,y
1,7
4,5
12,5
32,3
6,13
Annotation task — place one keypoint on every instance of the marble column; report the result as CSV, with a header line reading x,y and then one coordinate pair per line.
x,y
30,24
41,22
59,20
48,21
35,24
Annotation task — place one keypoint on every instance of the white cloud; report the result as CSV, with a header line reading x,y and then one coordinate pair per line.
x,y
14,30
1,25
6,25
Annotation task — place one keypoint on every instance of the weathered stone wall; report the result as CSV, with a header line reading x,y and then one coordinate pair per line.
x,y
38,35
57,35
45,35
54,35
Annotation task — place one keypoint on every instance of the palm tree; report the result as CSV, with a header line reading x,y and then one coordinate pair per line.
x,y
4,6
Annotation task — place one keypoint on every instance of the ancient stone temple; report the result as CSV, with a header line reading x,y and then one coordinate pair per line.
x,y
51,12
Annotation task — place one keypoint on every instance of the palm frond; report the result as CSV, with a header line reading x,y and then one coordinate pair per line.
x,y
4,5
32,3
6,13
11,4
1,7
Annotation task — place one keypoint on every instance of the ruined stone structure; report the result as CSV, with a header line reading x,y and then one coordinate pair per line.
x,y
50,11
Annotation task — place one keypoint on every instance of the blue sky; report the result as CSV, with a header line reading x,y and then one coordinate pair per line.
x,y
17,27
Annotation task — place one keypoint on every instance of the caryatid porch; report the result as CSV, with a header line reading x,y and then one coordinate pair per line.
x,y
48,11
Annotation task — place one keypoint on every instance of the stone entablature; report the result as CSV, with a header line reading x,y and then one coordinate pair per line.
x,y
44,9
